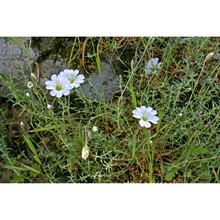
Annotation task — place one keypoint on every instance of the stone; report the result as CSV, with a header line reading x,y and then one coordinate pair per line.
x,y
15,61
100,86
50,66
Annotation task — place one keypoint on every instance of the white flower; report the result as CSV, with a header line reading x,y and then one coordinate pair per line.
x,y
58,85
94,128
153,66
73,77
30,84
146,115
27,94
85,152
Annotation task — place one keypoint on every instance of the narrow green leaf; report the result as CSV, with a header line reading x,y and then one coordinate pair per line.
x,y
31,146
48,128
133,97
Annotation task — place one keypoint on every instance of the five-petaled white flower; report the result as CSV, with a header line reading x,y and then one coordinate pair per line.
x,y
146,115
58,85
152,66
73,77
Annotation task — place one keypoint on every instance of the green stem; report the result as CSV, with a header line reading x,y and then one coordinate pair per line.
x,y
150,153
196,83
134,144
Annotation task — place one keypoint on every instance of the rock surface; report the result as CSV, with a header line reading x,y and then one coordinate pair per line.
x,y
49,67
101,86
14,60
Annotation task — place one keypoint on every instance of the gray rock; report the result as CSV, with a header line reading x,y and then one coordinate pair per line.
x,y
100,86
50,66
15,61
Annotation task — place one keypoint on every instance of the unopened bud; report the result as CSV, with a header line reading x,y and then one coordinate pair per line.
x,y
85,152
49,106
94,128
132,64
209,56
22,124
33,78
27,95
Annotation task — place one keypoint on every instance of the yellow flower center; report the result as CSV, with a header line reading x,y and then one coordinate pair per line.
x,y
58,87
144,118
71,80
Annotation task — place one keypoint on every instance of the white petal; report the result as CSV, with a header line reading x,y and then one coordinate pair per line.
x,y
79,79
49,87
49,82
154,112
66,91
67,71
59,94
143,108
76,71
145,124
68,86
155,61
62,74
149,109
140,112
54,77
53,92
76,85
62,77
136,114
153,119
80,76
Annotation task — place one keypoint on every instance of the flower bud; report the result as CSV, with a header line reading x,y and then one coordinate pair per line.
x,y
209,56
94,128
27,95
132,64
33,78
22,124
85,152
49,106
